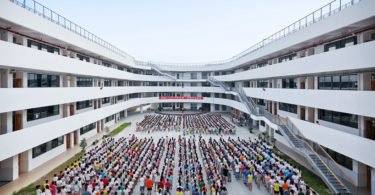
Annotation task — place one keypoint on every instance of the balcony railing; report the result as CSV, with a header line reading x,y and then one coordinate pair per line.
x,y
314,17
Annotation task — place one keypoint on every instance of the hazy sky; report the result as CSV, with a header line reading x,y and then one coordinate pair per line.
x,y
183,30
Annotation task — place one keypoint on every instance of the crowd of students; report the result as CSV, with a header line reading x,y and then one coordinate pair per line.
x,y
118,166
160,122
187,123
207,124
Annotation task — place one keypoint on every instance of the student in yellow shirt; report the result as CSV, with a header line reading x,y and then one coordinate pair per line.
x,y
276,188
250,181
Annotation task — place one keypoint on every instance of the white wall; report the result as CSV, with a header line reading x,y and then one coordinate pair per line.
x,y
348,101
353,58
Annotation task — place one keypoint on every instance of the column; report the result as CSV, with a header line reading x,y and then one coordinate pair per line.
x,y
372,181
141,109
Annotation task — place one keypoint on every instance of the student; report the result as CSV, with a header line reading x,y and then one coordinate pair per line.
x,y
142,184
285,188
250,181
149,185
276,188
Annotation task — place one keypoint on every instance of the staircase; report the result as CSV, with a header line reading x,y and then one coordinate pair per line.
x,y
157,69
317,157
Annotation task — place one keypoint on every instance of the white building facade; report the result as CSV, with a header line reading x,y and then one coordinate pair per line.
x,y
60,84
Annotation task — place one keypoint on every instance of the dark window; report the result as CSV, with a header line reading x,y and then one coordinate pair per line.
x,y
106,64
341,159
84,104
42,80
345,119
105,100
262,123
83,58
120,83
107,83
338,82
286,58
262,83
217,107
288,107
340,43
84,82
87,128
45,147
193,75
120,97
42,112
107,119
42,46
289,83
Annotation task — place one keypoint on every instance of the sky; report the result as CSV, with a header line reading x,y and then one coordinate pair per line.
x,y
183,31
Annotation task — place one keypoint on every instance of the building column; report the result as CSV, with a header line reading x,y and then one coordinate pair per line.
x,y
126,113
141,109
372,181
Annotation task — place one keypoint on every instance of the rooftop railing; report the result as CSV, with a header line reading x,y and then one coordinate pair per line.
x,y
43,11
316,16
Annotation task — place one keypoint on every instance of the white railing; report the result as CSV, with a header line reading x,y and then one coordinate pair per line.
x,y
43,11
314,17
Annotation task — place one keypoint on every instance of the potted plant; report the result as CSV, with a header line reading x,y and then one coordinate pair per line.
x,y
83,144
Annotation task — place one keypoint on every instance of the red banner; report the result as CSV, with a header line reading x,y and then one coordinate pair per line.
x,y
180,98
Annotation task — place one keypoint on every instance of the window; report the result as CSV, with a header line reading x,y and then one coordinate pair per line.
x,y
84,82
83,58
42,80
340,44
289,83
288,107
193,94
42,46
339,82
120,83
204,75
120,97
262,123
107,83
84,104
87,128
206,94
107,119
105,100
340,118
262,83
341,159
193,106
287,57
193,84
42,112
193,75
45,147
106,64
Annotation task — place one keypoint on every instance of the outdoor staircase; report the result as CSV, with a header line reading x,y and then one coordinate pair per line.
x,y
317,160
158,70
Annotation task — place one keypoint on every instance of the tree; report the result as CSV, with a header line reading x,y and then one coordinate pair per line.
x,y
83,144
